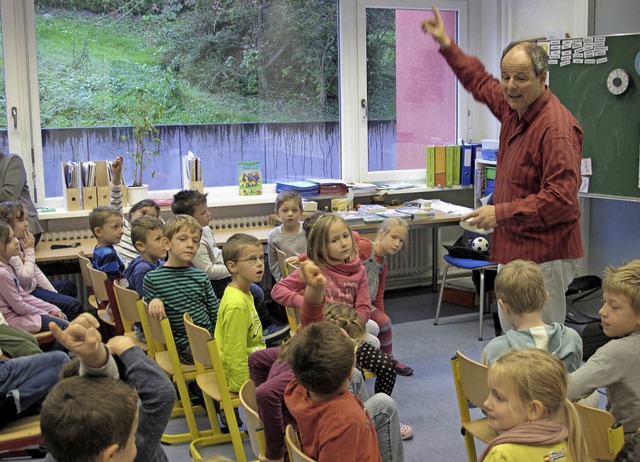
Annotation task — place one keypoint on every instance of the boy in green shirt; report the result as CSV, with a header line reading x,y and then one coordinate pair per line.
x,y
238,330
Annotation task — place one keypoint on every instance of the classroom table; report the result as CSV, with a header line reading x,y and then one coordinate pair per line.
x,y
435,222
44,253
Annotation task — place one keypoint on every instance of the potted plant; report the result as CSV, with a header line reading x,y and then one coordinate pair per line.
x,y
146,143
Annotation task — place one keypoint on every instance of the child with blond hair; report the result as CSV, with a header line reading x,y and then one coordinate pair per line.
x,y
389,240
615,366
519,288
528,406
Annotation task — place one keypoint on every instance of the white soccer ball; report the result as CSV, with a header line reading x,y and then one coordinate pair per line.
x,y
480,244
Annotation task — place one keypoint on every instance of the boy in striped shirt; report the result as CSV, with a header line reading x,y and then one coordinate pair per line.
x,y
177,287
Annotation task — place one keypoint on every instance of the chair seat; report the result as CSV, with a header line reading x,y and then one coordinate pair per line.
x,y
480,430
21,433
209,385
44,337
468,263
164,361
106,318
132,335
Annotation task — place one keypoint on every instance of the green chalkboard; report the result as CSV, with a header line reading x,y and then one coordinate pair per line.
x,y
611,123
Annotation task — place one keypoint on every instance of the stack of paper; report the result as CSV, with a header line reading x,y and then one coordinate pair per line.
x,y
88,174
193,167
71,174
305,188
329,186
446,207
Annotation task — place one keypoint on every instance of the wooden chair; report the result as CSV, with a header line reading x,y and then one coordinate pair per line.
x,y
293,446
106,310
16,436
85,264
604,438
252,419
293,313
130,308
470,379
212,380
166,355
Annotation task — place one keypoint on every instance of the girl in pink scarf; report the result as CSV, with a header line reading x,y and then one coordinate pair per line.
x,y
528,404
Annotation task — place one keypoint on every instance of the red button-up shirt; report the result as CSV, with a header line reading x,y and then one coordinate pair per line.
x,y
538,171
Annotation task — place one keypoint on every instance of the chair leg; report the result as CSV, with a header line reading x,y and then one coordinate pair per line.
x,y
444,280
481,309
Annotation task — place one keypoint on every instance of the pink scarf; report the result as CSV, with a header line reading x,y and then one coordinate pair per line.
x,y
537,433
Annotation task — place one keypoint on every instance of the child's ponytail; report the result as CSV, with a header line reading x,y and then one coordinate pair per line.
x,y
577,441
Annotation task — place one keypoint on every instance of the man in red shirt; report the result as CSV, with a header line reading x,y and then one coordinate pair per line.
x,y
535,209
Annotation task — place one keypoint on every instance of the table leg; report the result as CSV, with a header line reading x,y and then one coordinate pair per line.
x,y
435,239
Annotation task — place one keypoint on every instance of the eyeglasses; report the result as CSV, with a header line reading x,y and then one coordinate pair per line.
x,y
253,260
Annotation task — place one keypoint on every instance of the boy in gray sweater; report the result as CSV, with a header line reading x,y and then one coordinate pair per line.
x,y
616,365
98,416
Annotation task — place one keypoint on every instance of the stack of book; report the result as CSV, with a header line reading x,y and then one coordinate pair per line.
x,y
330,187
451,165
305,188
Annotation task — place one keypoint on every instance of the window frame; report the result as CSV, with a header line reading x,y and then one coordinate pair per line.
x,y
20,57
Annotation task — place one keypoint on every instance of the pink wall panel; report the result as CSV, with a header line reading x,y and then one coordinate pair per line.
x,y
425,89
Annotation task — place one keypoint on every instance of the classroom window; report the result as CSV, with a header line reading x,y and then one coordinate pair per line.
x,y
411,92
4,141
258,83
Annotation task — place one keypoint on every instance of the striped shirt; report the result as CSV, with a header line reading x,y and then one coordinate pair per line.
x,y
538,173
183,290
125,247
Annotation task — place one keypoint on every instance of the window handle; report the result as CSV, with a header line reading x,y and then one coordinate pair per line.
x,y
363,105
14,114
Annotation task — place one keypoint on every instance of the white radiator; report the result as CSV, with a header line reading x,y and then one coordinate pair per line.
x,y
412,265
239,222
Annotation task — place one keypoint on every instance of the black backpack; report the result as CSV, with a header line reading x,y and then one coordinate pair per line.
x,y
584,300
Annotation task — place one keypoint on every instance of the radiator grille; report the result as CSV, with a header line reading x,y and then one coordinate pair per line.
x,y
240,222
62,235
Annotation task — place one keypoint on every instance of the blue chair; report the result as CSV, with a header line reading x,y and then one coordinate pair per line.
x,y
468,264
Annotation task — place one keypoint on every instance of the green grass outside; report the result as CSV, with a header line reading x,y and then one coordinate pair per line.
x,y
90,66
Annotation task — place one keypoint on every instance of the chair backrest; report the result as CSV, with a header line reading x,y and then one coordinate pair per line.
x,y
293,446
207,355
98,280
128,303
85,264
252,418
284,268
603,440
293,318
474,380
155,333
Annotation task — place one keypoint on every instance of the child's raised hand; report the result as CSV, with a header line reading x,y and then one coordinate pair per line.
x,y
82,337
119,344
311,275
116,170
156,309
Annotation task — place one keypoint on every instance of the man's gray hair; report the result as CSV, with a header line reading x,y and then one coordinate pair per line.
x,y
538,55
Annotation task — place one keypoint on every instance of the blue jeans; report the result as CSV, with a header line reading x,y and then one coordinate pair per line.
x,y
29,378
46,319
69,305
384,413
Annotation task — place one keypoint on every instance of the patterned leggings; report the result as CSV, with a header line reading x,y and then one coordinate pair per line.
x,y
384,335
384,366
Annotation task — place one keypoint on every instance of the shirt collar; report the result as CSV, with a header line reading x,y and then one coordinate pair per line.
x,y
537,106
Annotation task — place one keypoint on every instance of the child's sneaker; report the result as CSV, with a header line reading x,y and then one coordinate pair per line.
x,y
406,432
403,369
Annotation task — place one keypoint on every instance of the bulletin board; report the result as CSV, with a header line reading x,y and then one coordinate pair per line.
x,y
580,74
